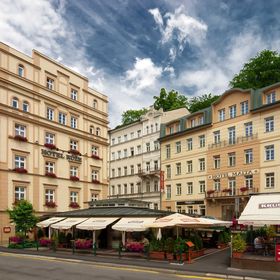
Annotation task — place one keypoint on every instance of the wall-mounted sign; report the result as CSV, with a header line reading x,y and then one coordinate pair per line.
x,y
234,174
55,154
6,229
269,205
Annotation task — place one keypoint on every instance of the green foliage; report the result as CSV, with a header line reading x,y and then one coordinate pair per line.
x,y
261,70
170,101
197,241
54,239
270,231
157,245
238,243
201,102
169,245
224,237
131,116
23,216
180,246
61,237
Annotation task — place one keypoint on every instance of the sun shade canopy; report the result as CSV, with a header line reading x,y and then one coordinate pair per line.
x,y
96,223
68,223
133,224
48,222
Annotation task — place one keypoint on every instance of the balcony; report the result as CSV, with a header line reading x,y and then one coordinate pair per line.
x,y
227,193
238,140
137,195
148,173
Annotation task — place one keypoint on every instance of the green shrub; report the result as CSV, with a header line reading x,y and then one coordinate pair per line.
x,y
238,244
169,245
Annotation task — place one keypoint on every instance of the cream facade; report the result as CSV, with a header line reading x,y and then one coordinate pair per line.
x,y
135,157
53,144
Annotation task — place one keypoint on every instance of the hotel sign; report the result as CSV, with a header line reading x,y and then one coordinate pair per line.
x,y
234,174
55,154
269,205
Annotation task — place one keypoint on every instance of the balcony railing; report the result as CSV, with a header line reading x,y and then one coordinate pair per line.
x,y
234,141
151,172
230,193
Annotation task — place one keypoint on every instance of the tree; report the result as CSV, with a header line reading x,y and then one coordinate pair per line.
x,y
131,116
23,216
200,102
261,70
170,101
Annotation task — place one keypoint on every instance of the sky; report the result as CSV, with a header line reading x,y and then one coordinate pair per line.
x,y
130,49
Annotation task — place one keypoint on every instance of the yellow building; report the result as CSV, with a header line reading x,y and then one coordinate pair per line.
x,y
237,139
53,143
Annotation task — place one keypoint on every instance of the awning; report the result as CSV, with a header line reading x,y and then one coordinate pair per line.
x,y
133,224
215,222
68,223
261,210
48,222
96,223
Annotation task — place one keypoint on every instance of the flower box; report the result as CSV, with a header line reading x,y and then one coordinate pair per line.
x,y
45,242
74,178
50,204
157,255
95,156
74,205
50,174
20,170
135,247
16,239
210,192
197,253
20,138
74,152
244,189
183,258
83,244
226,190
50,146
95,181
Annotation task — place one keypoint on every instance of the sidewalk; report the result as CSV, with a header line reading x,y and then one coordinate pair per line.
x,y
215,264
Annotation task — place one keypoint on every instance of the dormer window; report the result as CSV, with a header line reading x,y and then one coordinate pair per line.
x,y
15,102
50,83
270,98
200,120
193,123
21,70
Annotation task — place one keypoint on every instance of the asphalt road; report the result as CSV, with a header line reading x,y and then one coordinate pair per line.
x,y
14,267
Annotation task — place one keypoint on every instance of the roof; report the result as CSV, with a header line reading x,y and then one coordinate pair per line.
x,y
114,212
109,202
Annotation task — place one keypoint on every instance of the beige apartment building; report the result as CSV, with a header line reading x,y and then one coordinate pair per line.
x,y
135,157
53,143
236,140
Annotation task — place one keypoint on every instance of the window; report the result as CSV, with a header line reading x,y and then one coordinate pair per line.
x,y
189,144
269,152
179,209
152,128
131,169
119,139
139,167
62,118
178,189
202,186
201,141
139,188
74,94
147,129
156,166
125,170
201,120
168,171
94,175
131,135
148,186
125,153
50,114
270,98
125,137
248,129
131,151
189,166
112,190
217,162
25,106
20,193
231,159
21,70
138,149
50,83
189,188
113,173
148,147
269,180
131,188
49,195
222,115
249,181
244,107
94,104
178,147
113,141
232,185
74,122
232,111
125,188
178,168
217,137
15,102
148,167
119,154
73,144
167,150
119,189
156,186
231,135
74,171
74,196
49,167
217,185
269,124
94,196
113,156
193,123
94,150
156,145
201,164
49,138
119,172
248,156
20,161
190,210
168,192
156,126
138,133
91,129
20,130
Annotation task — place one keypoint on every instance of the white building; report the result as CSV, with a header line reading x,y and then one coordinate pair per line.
x,y
134,168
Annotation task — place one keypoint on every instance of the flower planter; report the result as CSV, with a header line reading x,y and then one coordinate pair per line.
x,y
197,253
170,256
184,257
50,146
50,204
95,157
74,178
226,190
95,181
20,138
20,170
50,174
210,192
74,205
45,242
237,255
74,152
244,189
157,255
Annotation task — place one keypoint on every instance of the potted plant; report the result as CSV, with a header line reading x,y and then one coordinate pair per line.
x,y
50,146
238,246
20,170
50,204
74,178
244,189
226,190
94,181
210,192
169,248
74,152
20,138
157,249
95,156
50,174
74,205
180,249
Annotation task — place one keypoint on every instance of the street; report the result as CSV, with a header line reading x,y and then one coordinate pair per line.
x,y
34,267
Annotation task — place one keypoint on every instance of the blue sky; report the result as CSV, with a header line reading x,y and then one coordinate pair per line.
x,y
129,49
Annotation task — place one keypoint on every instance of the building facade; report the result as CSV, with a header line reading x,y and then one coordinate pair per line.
x,y
53,128
135,157
234,146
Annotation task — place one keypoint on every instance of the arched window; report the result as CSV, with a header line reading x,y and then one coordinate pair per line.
x,y
25,106
20,70
94,104
15,102
91,129
98,131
